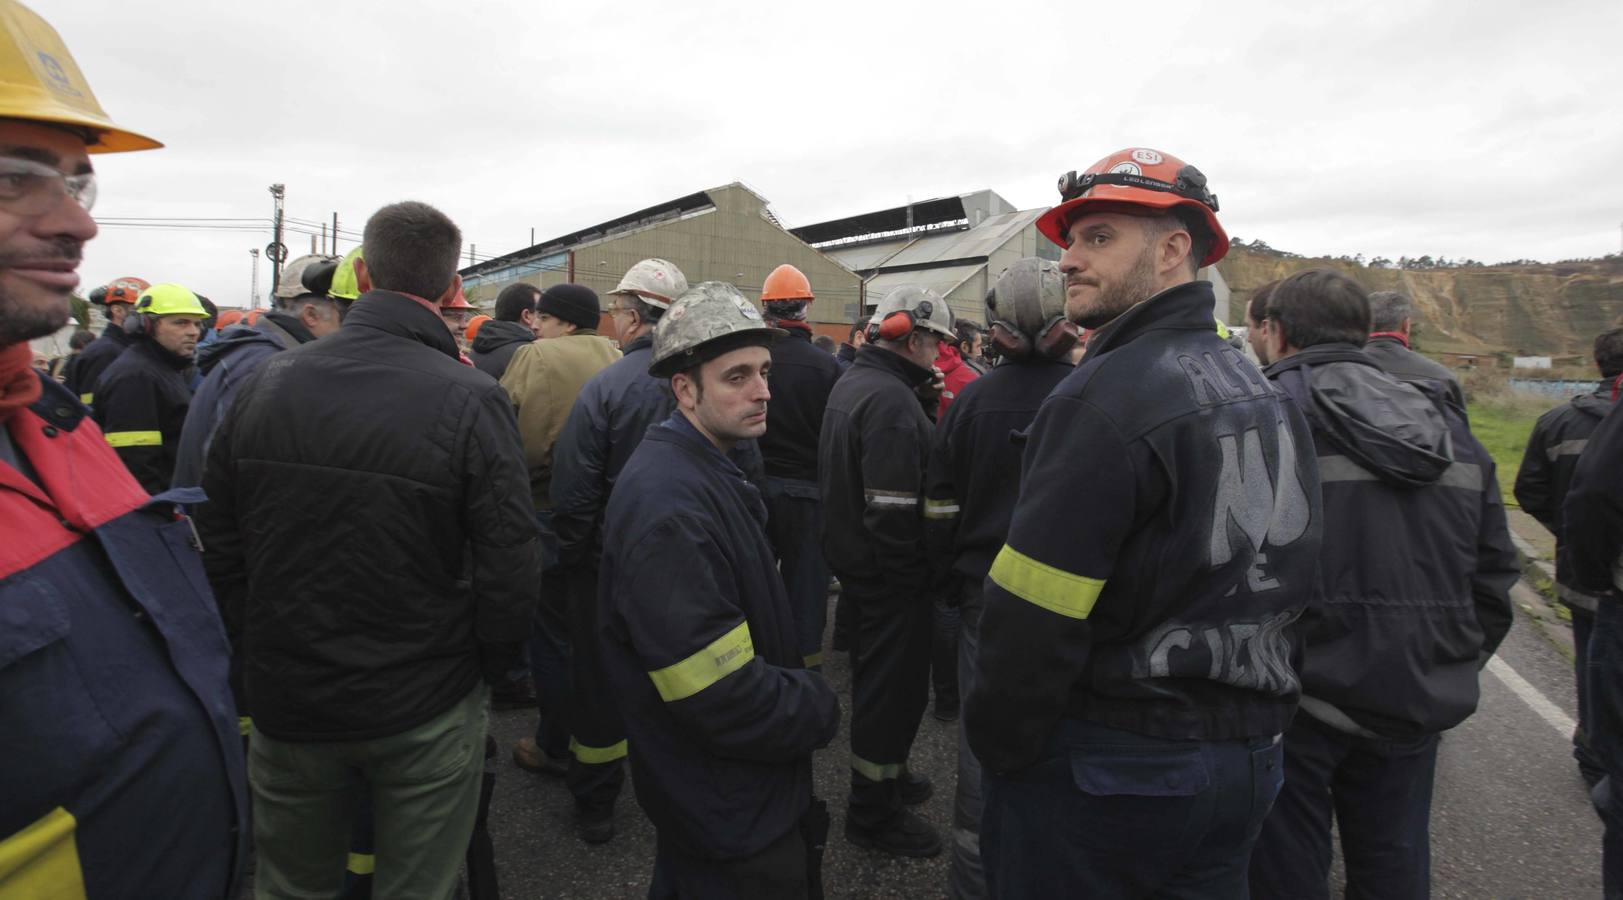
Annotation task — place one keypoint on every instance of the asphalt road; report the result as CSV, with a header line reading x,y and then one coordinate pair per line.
x,y
1510,816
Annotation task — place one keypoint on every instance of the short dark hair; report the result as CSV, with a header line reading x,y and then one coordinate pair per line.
x,y
1257,308
966,331
412,248
515,300
81,339
858,327
1609,352
825,343
1179,218
1320,306
1388,309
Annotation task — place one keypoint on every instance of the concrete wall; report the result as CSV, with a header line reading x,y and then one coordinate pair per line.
x,y
733,242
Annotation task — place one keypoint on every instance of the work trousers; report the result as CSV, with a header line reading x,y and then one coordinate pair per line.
x,y
1589,762
794,525
1605,713
890,674
424,786
549,648
1379,792
966,880
777,872
1107,813
944,653
598,735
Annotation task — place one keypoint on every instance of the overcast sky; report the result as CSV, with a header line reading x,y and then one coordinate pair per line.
x,y
1484,130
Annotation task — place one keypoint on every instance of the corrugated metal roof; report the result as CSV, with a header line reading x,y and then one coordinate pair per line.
x,y
865,256
975,243
943,280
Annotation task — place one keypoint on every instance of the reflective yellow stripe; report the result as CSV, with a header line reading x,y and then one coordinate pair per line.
x,y
720,658
42,860
245,724
875,771
87,399
815,659
941,509
135,438
1055,590
595,756
362,863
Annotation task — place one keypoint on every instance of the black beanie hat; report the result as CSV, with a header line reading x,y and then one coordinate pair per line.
x,y
574,303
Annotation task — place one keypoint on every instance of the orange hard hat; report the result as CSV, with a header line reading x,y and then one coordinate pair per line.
x,y
227,319
472,330
457,302
786,283
252,316
1137,176
125,290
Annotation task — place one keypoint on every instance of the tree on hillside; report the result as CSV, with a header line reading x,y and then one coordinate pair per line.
x,y
1380,262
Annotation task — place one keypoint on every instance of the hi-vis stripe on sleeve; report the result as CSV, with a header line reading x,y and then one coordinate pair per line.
x,y
87,399
1055,590
946,508
42,859
898,499
720,658
134,438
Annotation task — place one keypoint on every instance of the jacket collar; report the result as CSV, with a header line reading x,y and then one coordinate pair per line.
x,y
279,324
1321,354
156,351
682,432
401,316
874,357
1184,307
646,340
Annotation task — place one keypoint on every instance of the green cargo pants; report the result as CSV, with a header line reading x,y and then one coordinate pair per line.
x,y
424,785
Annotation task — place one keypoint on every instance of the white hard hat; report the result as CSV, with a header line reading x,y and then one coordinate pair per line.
x,y
656,281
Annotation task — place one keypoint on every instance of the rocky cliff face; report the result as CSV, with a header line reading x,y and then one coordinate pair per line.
x,y
1524,309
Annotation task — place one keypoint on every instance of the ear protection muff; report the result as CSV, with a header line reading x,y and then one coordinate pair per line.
x,y
1056,339
900,323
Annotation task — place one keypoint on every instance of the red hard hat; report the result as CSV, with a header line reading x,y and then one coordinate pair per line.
x,y
1137,176
458,302
125,290
786,283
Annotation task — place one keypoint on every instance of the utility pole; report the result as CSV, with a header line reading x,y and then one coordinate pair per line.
x,y
470,254
532,236
277,251
253,289
323,239
335,232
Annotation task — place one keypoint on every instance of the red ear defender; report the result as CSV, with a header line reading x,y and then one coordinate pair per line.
x,y
896,326
1057,338
1008,341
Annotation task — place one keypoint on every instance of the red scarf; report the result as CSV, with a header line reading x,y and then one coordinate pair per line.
x,y
19,383
792,324
1398,336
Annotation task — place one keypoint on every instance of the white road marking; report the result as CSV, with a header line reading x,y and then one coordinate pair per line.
x,y
1530,695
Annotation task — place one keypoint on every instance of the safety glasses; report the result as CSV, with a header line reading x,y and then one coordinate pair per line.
x,y
28,188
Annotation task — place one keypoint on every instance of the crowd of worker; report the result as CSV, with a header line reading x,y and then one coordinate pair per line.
x,y
265,575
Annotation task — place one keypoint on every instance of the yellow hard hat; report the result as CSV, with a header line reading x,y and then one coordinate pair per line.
x,y
40,82
170,300
345,286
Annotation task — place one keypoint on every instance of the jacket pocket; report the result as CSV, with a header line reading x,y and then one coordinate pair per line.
x,y
1115,771
42,860
32,618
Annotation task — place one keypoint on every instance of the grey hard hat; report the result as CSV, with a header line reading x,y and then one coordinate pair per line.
x,y
656,281
291,284
929,309
710,319
1028,295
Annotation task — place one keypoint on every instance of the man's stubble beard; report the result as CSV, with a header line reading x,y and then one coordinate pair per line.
x,y
1116,298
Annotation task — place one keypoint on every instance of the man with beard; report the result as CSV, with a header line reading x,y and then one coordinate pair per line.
x,y
697,633
120,768
142,398
1135,665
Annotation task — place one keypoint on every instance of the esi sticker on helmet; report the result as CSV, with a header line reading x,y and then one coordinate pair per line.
x,y
1147,157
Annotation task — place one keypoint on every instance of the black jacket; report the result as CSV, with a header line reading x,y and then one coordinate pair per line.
x,y
845,355
85,368
802,377
974,471
225,364
1546,474
1396,359
871,456
699,642
494,346
1165,542
1592,516
141,402
369,532
1417,563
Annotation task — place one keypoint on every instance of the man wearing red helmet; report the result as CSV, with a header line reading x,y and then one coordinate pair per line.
x,y
1135,667
116,299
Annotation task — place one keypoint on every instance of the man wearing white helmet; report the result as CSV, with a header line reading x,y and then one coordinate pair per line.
x,y
698,635
605,425
871,456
